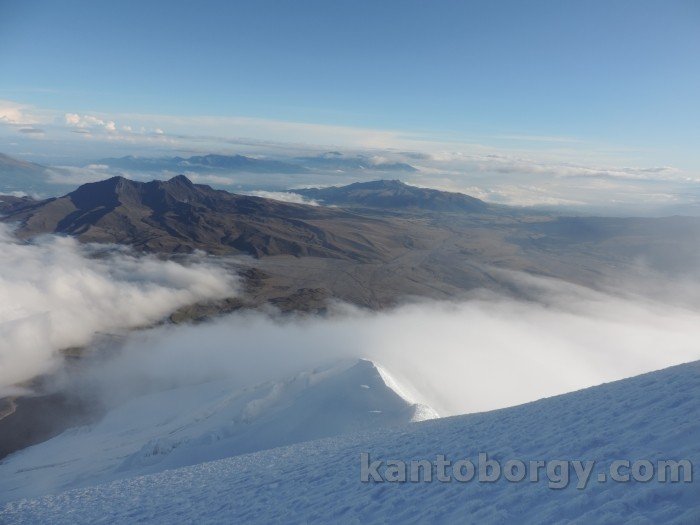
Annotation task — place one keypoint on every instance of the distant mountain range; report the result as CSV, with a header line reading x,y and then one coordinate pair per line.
x,y
336,161
333,161
394,194
234,163
178,216
20,176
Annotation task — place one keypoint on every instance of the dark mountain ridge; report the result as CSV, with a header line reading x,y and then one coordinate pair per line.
x,y
394,194
409,241
179,216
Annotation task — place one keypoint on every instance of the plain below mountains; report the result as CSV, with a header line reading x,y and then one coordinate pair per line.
x,y
380,241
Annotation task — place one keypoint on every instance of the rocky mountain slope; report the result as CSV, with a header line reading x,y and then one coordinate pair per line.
x,y
177,216
387,240
395,195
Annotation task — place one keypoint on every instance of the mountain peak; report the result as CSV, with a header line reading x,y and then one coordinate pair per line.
x,y
112,182
382,184
181,180
177,215
119,189
394,194
105,193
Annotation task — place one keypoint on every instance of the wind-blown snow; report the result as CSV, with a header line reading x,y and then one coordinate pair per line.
x,y
654,416
196,423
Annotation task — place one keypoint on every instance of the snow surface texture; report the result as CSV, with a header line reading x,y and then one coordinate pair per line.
x,y
197,423
653,416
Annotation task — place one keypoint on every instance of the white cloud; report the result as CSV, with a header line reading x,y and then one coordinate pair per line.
x,y
294,198
526,181
513,164
204,178
16,114
55,295
15,193
486,352
74,175
73,119
89,122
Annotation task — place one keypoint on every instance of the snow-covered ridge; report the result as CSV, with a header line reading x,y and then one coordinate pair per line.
x,y
652,416
197,423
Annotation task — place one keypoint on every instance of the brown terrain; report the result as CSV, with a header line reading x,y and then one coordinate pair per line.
x,y
387,242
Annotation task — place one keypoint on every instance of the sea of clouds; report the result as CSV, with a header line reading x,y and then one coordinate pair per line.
x,y
482,352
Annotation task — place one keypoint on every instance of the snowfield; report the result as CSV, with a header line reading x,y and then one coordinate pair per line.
x,y
653,416
202,422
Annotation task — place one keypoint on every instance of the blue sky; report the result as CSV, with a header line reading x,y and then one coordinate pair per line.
x,y
624,71
599,81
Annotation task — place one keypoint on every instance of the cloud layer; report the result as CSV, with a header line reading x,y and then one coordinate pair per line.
x,y
526,170
293,198
57,294
483,353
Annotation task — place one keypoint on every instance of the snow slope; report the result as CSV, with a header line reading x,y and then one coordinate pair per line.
x,y
197,423
653,416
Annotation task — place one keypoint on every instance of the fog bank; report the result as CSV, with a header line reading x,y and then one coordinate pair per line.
x,y
56,294
486,352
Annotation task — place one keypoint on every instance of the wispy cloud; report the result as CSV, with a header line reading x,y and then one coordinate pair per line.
x,y
539,138
294,198
515,164
486,352
56,295
15,113
31,130
89,122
